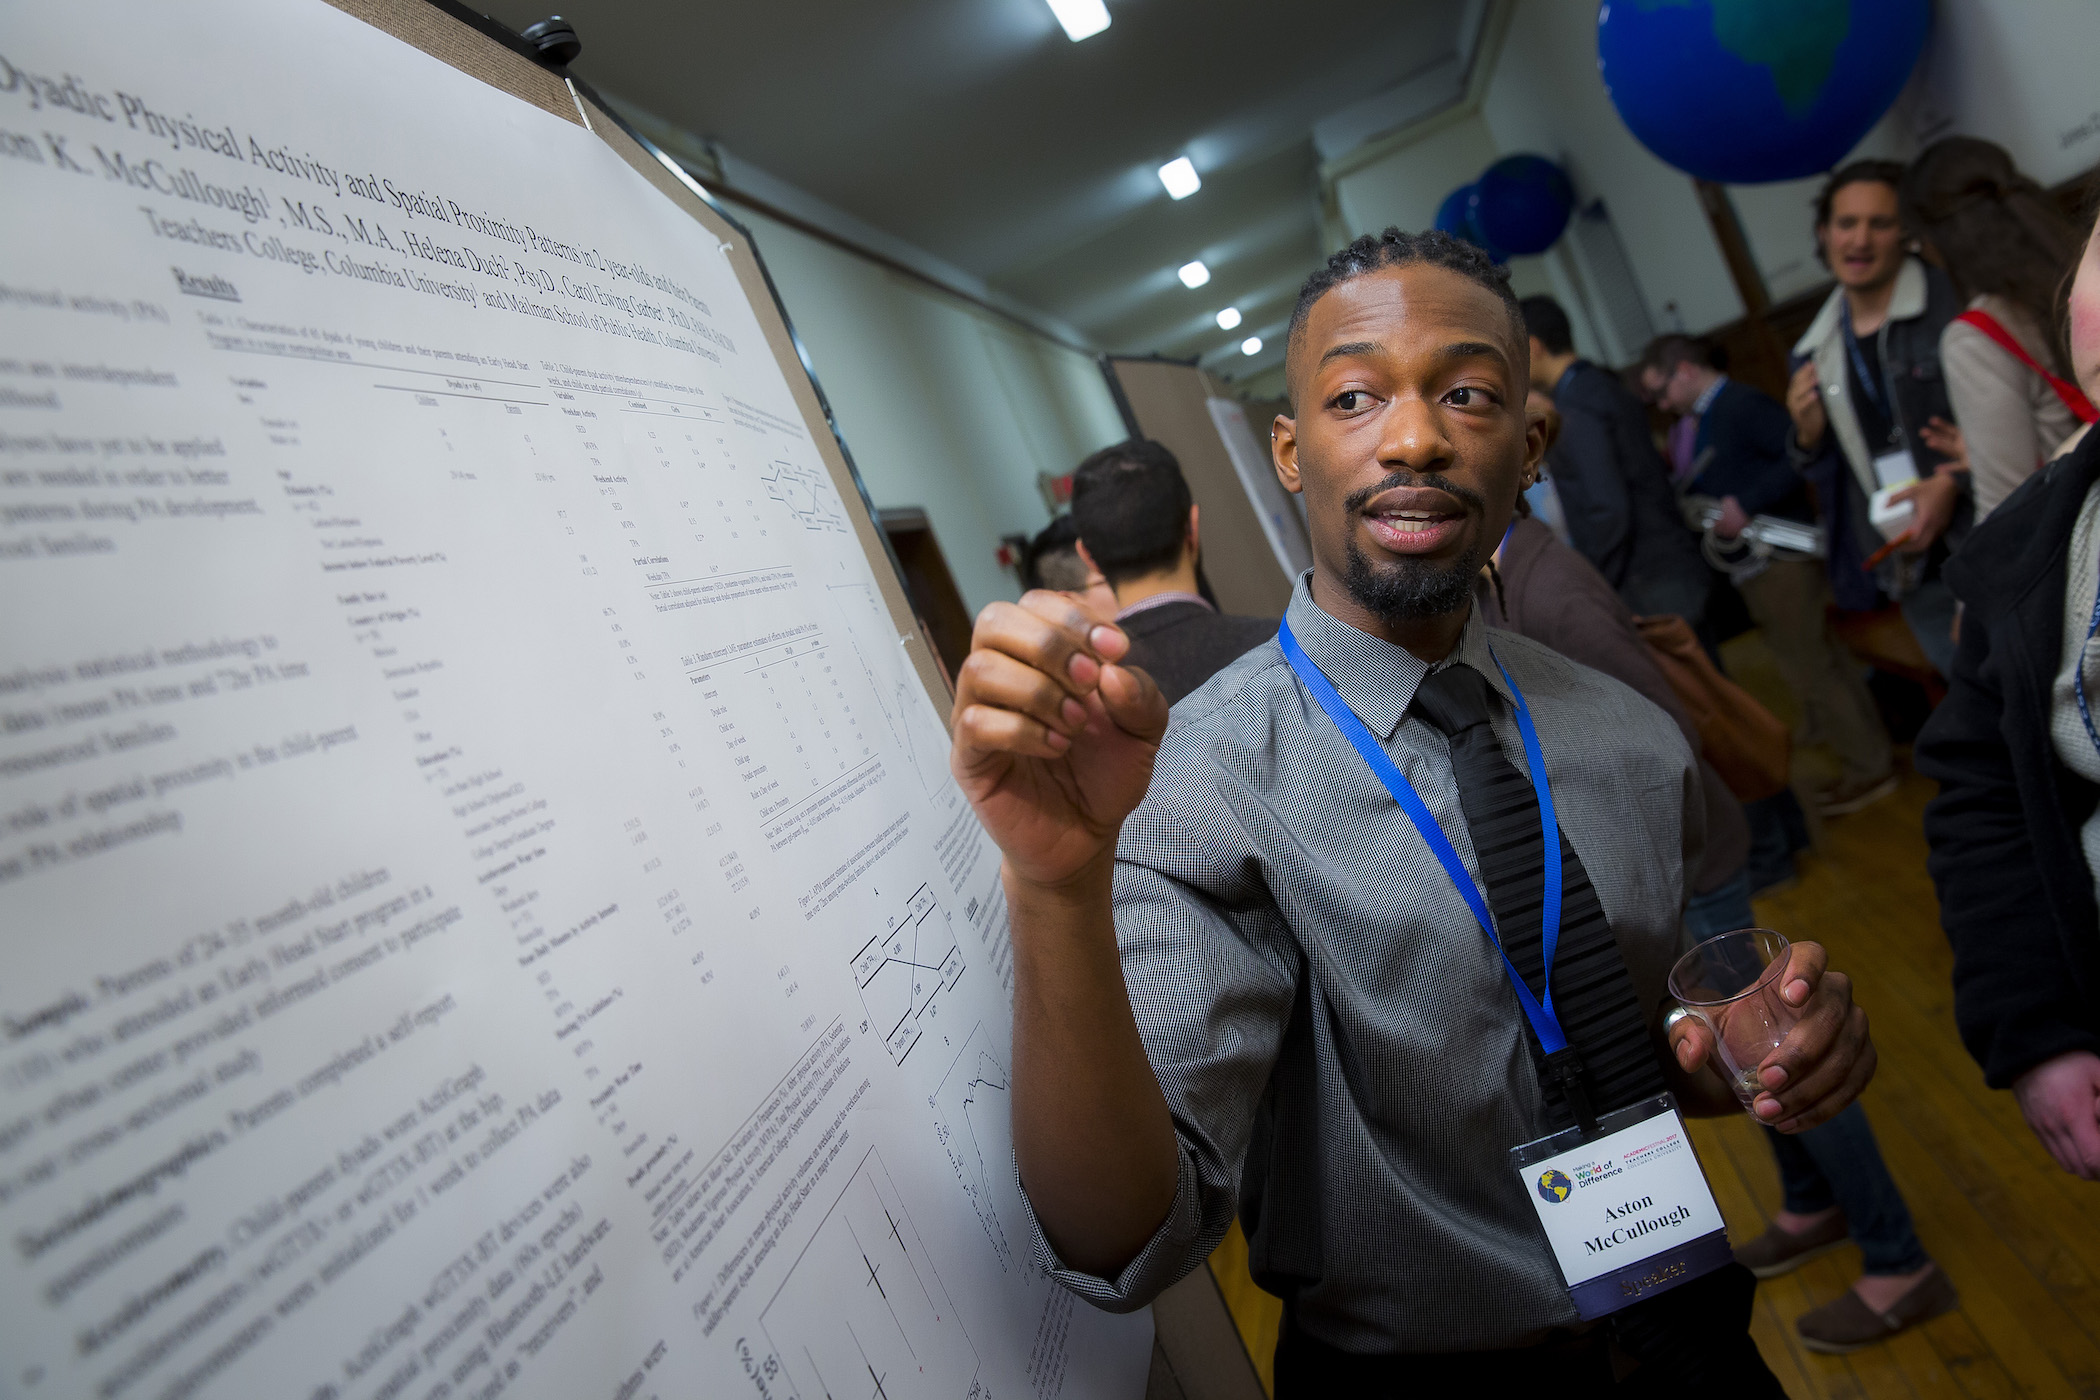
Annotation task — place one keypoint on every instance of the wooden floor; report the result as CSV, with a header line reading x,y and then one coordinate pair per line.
x,y
2019,1237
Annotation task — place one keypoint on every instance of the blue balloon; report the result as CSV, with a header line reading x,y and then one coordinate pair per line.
x,y
1451,214
1457,217
1751,91
1522,203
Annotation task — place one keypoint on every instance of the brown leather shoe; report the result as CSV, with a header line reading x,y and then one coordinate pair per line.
x,y
1778,1251
1847,1324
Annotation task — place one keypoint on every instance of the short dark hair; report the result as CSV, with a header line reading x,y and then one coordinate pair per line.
x,y
1131,506
1053,558
1666,352
1394,248
1859,172
1544,318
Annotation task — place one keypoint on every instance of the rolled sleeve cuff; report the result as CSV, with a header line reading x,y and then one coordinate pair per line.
x,y
1174,1249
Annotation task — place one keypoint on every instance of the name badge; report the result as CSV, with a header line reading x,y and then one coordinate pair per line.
x,y
1628,1212
1897,468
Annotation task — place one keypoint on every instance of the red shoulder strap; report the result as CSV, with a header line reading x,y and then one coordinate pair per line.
x,y
2081,407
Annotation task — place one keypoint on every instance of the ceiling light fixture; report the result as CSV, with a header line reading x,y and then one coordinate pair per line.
x,y
1194,274
1180,177
1251,345
1082,19
1229,318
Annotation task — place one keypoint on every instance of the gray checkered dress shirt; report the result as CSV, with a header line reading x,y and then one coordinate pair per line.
x,y
1323,1012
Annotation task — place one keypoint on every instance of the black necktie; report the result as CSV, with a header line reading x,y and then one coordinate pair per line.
x,y
1592,992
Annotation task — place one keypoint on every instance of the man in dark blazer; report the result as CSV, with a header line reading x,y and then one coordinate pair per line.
x,y
1740,458
1138,526
1622,514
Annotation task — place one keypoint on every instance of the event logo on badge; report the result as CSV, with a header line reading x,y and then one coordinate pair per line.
x,y
1554,1185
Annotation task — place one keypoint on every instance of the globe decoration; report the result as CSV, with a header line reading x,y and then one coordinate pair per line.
x,y
1456,216
1751,91
1522,203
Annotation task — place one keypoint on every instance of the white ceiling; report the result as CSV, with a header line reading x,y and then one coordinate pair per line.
x,y
976,131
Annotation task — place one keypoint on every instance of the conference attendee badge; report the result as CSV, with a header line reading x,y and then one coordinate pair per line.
x,y
1894,471
1895,468
1627,1210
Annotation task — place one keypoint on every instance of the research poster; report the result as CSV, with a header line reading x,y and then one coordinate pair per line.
x,y
483,909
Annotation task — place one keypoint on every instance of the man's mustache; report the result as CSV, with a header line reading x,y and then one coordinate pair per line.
x,y
1359,499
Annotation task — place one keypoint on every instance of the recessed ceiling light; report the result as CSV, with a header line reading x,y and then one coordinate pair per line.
x,y
1229,318
1180,177
1082,19
1194,274
1251,345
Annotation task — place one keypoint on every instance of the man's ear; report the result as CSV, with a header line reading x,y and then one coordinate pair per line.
x,y
1283,453
1088,559
1539,433
1194,537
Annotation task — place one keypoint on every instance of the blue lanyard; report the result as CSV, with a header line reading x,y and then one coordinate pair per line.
x,y
1868,381
2085,711
1541,1015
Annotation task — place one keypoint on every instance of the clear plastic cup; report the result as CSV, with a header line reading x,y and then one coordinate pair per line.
x,y
1731,982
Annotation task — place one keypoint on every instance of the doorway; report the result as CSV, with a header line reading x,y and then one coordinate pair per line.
x,y
934,596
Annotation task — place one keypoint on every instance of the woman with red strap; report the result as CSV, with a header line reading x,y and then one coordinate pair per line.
x,y
2008,250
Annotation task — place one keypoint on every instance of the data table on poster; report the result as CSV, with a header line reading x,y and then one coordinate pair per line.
x,y
483,905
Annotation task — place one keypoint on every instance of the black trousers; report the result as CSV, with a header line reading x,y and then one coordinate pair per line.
x,y
1695,1336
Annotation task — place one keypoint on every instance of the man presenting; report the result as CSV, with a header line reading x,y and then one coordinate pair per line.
x,y
1138,527
1246,980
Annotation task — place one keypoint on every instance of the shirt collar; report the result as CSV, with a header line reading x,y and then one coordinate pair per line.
x,y
1161,600
1374,677
1712,392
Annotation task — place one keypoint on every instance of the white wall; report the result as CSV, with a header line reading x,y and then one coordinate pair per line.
x,y
2017,72
1545,96
1406,187
943,405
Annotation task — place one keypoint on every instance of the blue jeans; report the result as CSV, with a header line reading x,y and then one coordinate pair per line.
x,y
1721,910
1839,1164
1836,1163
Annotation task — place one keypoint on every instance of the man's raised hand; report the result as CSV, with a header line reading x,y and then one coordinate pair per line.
x,y
1054,741
1804,403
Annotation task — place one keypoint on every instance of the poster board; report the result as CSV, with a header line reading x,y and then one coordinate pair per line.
x,y
1246,515
483,905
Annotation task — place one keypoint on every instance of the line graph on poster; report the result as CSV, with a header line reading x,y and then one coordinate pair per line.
x,y
903,971
972,1108
862,1313
913,725
805,494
